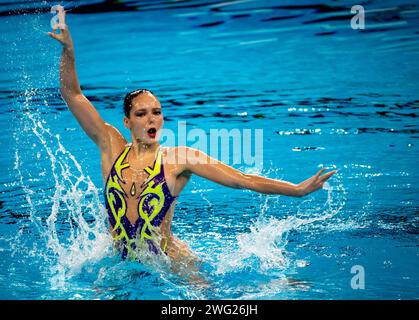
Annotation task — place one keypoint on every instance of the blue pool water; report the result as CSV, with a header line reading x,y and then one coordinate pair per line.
x,y
323,94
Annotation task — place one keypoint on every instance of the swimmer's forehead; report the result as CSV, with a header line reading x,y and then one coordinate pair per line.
x,y
145,101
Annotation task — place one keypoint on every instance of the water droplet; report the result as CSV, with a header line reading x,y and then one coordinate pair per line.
x,y
302,263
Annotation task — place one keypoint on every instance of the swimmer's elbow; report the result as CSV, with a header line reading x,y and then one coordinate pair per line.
x,y
69,95
251,182
237,181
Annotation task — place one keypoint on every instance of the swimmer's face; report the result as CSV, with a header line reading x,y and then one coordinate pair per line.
x,y
145,118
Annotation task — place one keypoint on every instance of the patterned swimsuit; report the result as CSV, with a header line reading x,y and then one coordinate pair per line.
x,y
154,202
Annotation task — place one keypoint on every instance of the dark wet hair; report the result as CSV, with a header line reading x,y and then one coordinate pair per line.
x,y
130,96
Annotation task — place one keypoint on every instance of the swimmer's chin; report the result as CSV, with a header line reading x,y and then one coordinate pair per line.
x,y
149,141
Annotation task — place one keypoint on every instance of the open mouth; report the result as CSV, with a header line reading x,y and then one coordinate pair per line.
x,y
152,132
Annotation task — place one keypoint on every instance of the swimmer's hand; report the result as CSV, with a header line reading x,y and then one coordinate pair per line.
x,y
315,182
63,37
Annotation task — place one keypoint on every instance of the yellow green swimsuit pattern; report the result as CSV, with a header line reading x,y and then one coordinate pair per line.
x,y
153,204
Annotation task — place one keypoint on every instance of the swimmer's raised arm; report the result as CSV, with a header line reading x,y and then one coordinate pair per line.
x,y
203,165
85,113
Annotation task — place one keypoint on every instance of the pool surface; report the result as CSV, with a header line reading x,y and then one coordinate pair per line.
x,y
323,94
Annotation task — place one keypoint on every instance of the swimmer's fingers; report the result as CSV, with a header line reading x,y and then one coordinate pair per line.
x,y
63,37
327,175
311,181
55,35
320,171
316,177
315,182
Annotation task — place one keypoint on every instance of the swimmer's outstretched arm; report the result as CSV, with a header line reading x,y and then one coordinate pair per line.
x,y
85,113
199,163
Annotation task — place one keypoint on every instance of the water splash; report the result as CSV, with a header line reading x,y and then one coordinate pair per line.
x,y
263,249
75,230
75,241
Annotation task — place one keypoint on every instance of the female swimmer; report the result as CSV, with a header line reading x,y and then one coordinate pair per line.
x,y
142,179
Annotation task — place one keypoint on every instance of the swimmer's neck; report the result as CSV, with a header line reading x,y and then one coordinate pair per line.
x,y
142,148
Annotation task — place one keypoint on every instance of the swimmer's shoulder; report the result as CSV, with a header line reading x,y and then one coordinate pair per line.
x,y
175,160
175,154
116,143
114,135
183,156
